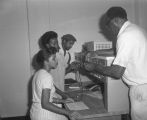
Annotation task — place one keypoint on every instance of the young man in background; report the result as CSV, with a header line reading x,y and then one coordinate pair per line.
x,y
64,57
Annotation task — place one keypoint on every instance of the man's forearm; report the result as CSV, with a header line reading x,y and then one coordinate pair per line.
x,y
103,70
112,71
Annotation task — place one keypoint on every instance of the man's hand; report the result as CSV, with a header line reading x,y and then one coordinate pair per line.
x,y
75,65
90,66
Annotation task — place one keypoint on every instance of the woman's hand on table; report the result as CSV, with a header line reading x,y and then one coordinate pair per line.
x,y
68,100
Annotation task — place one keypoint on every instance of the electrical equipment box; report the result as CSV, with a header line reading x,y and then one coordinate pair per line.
x,y
95,45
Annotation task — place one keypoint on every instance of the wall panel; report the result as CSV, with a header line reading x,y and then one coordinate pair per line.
x,y
14,58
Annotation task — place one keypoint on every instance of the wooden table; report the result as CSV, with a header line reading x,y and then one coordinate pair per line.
x,y
96,109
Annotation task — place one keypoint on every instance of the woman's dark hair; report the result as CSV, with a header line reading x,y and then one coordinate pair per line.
x,y
43,55
46,37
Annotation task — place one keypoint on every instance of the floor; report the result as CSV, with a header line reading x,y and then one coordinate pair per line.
x,y
17,118
124,117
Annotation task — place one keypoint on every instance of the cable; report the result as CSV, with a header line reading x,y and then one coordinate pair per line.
x,y
78,78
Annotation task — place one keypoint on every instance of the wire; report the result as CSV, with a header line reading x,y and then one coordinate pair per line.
x,y
78,78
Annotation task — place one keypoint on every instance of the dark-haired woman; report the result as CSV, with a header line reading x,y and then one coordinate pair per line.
x,y
46,105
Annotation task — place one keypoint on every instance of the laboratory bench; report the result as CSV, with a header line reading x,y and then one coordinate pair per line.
x,y
111,102
96,108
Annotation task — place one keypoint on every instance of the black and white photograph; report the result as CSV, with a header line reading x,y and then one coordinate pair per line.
x,y
73,60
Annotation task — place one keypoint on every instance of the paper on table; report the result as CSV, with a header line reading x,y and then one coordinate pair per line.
x,y
77,106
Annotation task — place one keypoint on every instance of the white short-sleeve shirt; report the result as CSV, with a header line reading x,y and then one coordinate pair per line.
x,y
131,51
42,80
59,72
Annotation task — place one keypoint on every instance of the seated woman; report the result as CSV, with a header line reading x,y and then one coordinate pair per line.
x,y
45,104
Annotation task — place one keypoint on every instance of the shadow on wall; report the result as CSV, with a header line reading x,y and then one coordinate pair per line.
x,y
103,28
105,31
34,63
29,96
40,43
35,67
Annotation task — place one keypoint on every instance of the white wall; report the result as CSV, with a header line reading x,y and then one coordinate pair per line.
x,y
19,34
38,18
80,17
14,58
140,15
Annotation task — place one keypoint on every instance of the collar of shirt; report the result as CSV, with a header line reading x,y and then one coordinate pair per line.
x,y
125,25
66,57
62,51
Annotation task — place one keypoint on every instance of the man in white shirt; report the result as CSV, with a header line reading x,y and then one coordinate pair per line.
x,y
130,62
64,58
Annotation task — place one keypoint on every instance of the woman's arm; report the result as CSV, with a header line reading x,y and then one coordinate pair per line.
x,y
63,95
50,106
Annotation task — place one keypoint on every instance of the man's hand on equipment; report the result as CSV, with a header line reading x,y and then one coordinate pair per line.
x,y
89,66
